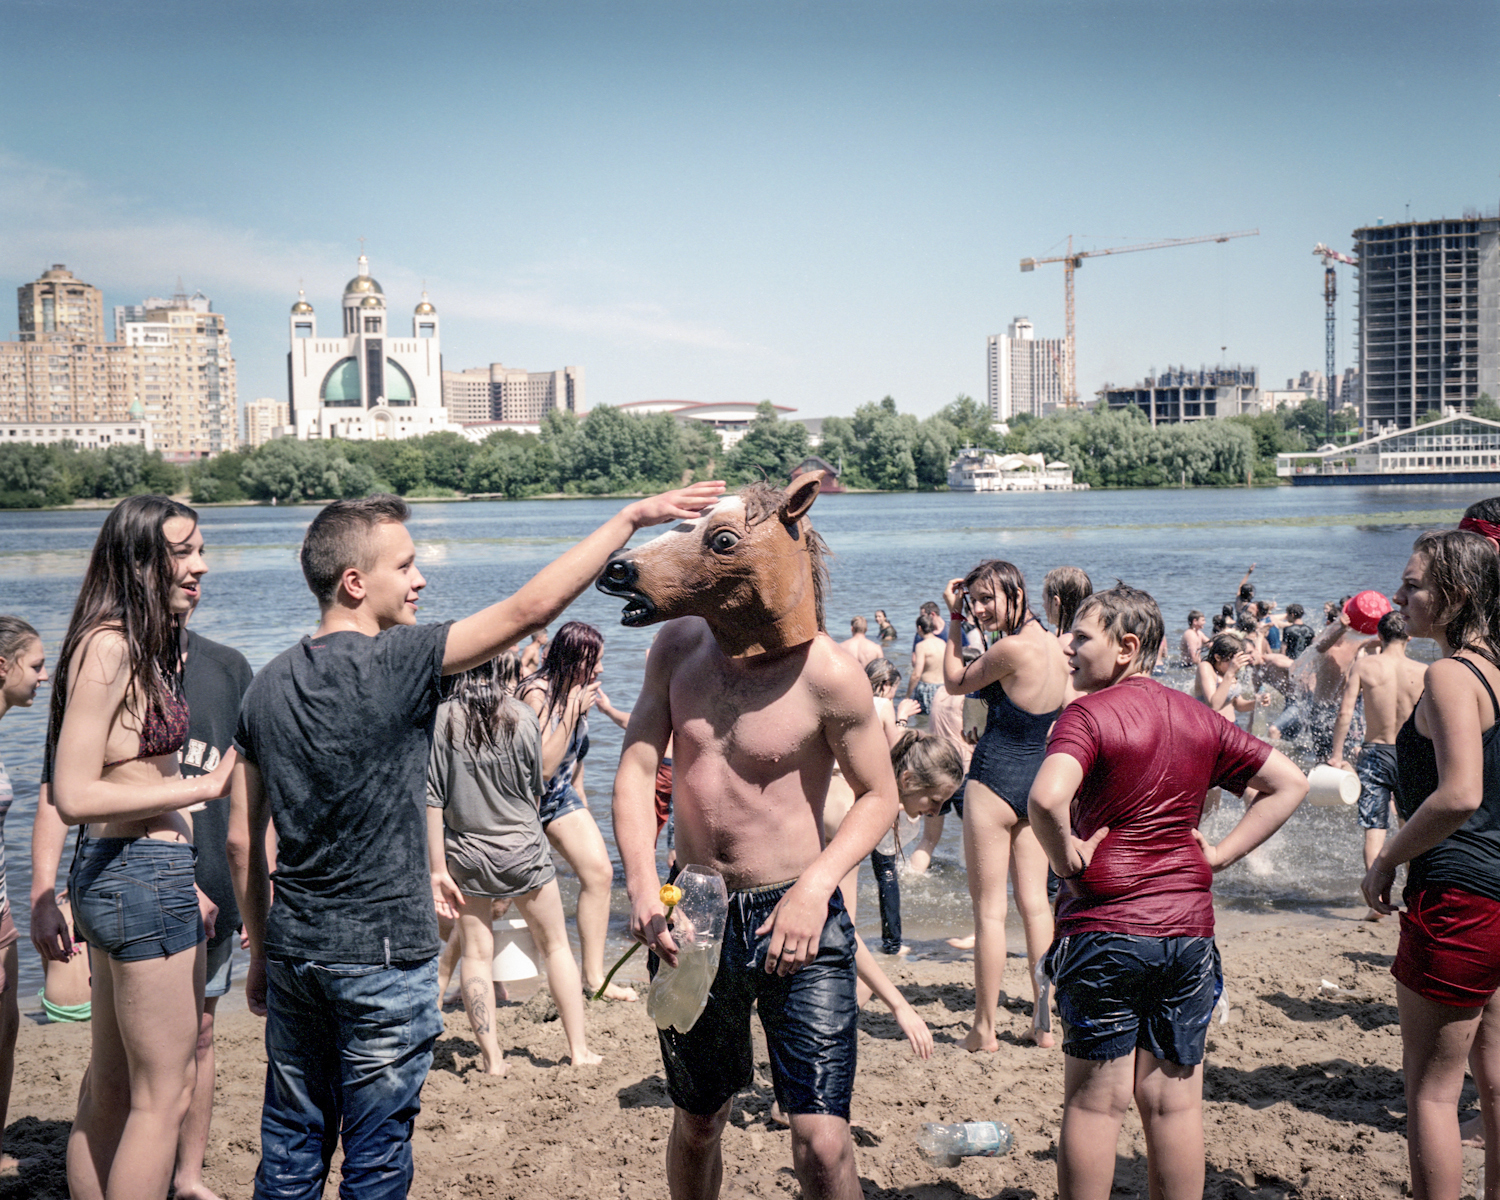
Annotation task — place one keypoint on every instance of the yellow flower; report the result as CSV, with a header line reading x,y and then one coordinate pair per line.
x,y
670,895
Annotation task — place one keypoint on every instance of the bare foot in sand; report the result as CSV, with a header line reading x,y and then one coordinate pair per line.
x,y
192,1191
1372,916
777,1117
586,1058
497,1071
613,992
1038,1037
974,1043
963,943
1471,1132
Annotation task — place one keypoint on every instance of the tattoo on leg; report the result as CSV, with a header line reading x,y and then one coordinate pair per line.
x,y
478,1001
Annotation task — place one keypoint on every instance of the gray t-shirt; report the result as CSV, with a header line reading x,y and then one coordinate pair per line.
x,y
492,827
340,729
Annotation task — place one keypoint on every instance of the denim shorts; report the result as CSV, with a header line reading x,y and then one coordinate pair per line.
x,y
559,802
1117,992
133,898
220,973
810,1018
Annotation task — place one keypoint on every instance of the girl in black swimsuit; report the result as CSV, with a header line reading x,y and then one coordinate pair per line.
x,y
1447,965
1023,678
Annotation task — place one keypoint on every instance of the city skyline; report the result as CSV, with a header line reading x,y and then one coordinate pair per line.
x,y
818,205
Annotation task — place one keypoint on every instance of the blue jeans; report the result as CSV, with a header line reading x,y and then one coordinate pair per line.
x,y
348,1049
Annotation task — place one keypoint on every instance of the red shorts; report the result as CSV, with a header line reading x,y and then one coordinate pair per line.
x,y
663,795
1450,947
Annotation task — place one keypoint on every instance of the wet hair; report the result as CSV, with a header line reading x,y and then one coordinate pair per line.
x,y
1008,582
1224,646
1247,591
571,657
1066,587
1124,609
15,636
1392,628
340,537
1294,612
1220,620
1194,615
929,606
1262,608
1228,611
928,624
931,759
858,625
127,588
1463,574
1246,624
479,695
762,502
1485,510
882,671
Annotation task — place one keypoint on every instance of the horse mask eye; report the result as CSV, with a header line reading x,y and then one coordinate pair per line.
x,y
724,540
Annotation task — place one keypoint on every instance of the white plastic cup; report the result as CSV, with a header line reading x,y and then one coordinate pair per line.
x,y
515,952
1332,787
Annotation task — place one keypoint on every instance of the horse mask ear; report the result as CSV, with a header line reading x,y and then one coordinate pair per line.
x,y
800,496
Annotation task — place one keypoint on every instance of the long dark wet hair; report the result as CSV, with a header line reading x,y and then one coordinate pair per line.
x,y
479,694
127,588
571,657
1069,587
1007,580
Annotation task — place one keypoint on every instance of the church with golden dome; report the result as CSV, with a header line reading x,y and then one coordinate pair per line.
x,y
367,382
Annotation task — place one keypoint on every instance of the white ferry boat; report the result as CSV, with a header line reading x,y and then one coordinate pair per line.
x,y
990,471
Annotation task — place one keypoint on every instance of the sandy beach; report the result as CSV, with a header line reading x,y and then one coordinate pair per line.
x,y
1303,1091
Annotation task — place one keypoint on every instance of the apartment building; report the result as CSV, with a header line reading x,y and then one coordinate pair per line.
x,y
1025,372
263,418
501,393
170,366
1429,317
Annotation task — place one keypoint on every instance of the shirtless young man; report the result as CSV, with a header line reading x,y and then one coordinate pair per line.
x,y
863,649
1193,639
1391,684
926,663
759,704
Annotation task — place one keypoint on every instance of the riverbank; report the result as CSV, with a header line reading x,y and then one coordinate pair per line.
x,y
1303,1091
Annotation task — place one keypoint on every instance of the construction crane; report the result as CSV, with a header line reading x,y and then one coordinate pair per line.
x,y
1330,294
1071,262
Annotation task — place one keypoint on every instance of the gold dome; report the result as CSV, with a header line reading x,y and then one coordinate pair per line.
x,y
363,283
425,309
371,302
301,308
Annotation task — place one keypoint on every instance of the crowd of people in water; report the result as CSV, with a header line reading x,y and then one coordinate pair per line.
x,y
359,812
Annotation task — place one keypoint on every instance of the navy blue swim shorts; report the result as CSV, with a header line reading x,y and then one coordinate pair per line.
x,y
810,1018
1118,993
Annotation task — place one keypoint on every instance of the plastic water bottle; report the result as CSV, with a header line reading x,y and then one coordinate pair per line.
x,y
946,1144
678,995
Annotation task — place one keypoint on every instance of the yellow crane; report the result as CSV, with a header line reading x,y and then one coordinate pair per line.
x,y
1071,262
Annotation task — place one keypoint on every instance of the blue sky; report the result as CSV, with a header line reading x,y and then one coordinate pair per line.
x,y
813,203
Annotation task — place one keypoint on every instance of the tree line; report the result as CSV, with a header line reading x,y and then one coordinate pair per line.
x,y
608,452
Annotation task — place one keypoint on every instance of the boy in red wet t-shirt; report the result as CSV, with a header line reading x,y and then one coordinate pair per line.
x,y
1134,961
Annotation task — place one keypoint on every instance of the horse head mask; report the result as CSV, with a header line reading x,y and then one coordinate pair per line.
x,y
751,566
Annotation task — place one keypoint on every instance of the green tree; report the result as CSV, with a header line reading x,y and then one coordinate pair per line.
x,y
407,468
447,458
770,448
974,423
511,464
1486,408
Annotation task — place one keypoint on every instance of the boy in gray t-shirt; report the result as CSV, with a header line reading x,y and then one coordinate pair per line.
x,y
335,734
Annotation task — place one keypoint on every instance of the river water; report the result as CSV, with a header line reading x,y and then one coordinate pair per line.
x,y
1188,548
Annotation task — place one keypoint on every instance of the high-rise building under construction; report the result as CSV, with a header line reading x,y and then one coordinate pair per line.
x,y
1429,318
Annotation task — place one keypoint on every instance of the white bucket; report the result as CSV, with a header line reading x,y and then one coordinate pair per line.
x,y
1332,787
515,952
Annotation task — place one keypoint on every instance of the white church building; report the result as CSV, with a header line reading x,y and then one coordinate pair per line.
x,y
367,382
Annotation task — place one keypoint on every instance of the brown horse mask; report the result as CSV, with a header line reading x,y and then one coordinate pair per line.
x,y
751,566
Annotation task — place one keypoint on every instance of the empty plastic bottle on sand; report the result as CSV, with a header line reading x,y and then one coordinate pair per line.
x,y
946,1144
678,994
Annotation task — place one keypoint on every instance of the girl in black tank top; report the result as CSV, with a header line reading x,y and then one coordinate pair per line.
x,y
1448,791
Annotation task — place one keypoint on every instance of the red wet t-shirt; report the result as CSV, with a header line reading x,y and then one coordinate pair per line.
x,y
1149,753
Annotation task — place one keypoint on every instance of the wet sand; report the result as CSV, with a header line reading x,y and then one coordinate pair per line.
x,y
1303,1090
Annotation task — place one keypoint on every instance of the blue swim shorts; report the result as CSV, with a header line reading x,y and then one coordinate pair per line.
x,y
1377,781
134,899
1118,993
810,1018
